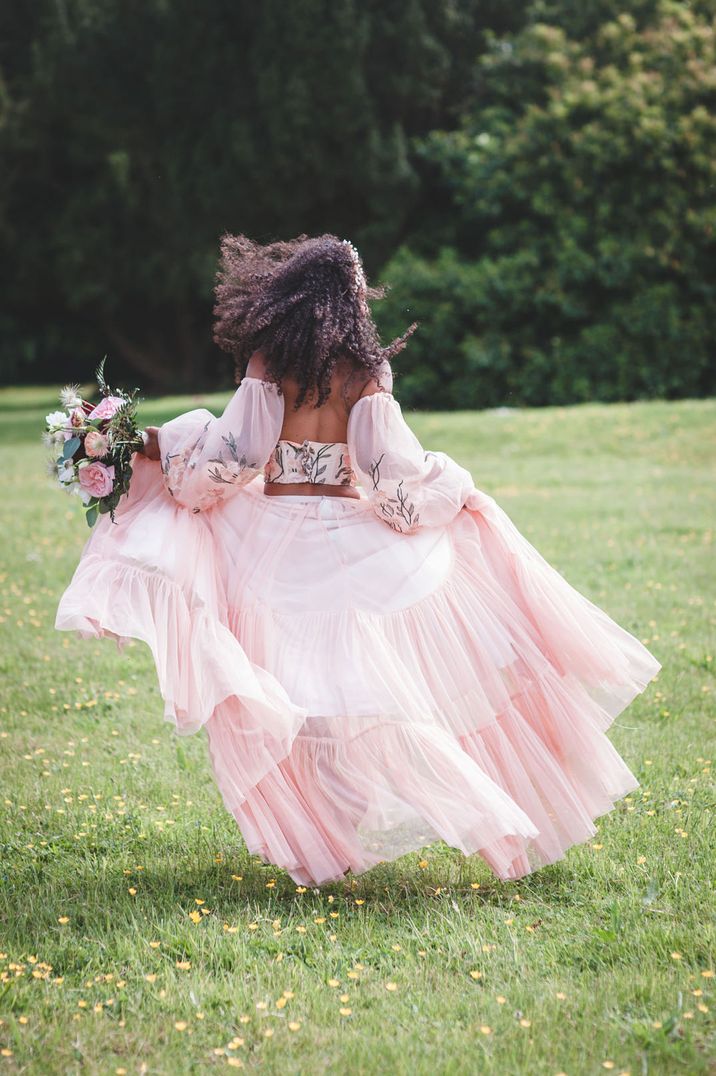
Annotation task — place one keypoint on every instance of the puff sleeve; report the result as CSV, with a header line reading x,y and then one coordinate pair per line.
x,y
205,459
408,486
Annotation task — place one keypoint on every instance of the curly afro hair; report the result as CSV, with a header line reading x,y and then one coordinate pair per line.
x,y
303,304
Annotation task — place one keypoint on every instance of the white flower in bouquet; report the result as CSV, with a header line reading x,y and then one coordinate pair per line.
x,y
57,420
66,473
84,495
70,396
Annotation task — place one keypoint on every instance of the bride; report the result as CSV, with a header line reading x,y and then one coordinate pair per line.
x,y
379,658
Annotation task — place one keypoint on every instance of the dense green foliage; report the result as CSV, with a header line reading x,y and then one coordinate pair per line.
x,y
579,261
132,135
537,182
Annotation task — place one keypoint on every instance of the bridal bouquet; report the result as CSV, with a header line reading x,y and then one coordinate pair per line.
x,y
92,445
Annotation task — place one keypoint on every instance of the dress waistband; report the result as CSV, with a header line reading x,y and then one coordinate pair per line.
x,y
307,441
319,462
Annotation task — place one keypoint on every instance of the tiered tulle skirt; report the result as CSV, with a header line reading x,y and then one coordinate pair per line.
x,y
366,692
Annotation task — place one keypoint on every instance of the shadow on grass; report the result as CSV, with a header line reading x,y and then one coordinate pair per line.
x,y
96,892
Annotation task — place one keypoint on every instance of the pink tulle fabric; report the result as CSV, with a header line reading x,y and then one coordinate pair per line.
x,y
375,673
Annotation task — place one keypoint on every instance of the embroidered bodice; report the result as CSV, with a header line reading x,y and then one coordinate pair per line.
x,y
322,462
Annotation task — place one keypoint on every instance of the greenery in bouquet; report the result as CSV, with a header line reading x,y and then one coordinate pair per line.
x,y
92,445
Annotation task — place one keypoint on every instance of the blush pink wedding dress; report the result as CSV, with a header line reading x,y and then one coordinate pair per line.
x,y
373,673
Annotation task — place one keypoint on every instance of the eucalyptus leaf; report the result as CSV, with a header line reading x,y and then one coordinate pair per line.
x,y
70,447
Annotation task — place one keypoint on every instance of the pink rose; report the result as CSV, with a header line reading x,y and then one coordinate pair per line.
x,y
96,443
106,407
77,417
97,479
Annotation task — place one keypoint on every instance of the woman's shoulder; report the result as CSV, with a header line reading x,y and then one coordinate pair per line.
x,y
350,382
383,382
257,366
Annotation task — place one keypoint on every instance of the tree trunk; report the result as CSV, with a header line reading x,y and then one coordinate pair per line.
x,y
175,361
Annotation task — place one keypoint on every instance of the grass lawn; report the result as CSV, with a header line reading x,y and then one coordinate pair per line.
x,y
138,936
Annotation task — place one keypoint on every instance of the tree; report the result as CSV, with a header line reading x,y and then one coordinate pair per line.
x,y
132,134
579,260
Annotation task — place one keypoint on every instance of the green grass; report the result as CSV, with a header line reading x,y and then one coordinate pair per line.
x,y
108,819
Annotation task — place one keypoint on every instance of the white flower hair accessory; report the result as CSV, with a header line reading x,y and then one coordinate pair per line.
x,y
359,281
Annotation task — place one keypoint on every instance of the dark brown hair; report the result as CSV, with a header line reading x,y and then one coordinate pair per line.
x,y
303,304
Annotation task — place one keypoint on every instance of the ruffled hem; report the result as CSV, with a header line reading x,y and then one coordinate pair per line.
x,y
372,724
317,815
578,638
153,577
348,804
470,666
356,792
199,662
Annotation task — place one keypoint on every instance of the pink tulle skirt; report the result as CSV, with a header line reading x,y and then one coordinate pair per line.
x,y
365,692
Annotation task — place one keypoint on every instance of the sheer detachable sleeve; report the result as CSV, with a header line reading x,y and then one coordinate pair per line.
x,y
409,487
206,459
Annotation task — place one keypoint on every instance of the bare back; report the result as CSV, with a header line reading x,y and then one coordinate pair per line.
x,y
329,422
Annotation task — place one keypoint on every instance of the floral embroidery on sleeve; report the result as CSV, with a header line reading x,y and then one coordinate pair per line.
x,y
174,464
237,470
397,511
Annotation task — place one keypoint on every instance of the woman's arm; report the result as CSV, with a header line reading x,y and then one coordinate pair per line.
x,y
206,459
150,448
150,436
409,486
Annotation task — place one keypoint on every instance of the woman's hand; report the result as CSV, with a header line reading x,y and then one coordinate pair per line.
x,y
151,443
